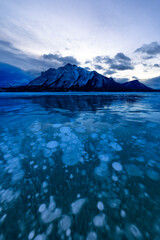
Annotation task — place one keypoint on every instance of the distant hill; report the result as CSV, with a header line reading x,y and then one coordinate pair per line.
x,y
136,85
11,76
72,78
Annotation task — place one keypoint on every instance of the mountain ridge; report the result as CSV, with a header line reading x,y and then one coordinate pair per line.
x,y
73,78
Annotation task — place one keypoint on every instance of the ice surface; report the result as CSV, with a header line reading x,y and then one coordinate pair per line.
x,y
79,166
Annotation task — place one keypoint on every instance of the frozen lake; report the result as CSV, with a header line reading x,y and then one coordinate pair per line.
x,y
79,166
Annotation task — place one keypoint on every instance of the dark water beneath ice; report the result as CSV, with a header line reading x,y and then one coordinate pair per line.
x,y
81,167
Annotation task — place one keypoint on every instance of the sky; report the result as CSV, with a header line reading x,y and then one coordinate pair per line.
x,y
117,38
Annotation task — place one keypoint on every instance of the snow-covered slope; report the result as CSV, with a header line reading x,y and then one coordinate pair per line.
x,y
71,77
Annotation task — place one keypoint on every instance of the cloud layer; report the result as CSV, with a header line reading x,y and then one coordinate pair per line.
x,y
151,49
119,62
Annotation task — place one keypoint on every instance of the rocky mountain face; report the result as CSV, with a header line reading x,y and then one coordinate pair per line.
x,y
71,77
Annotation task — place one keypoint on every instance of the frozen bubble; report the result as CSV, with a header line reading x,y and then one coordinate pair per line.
x,y
123,214
31,235
47,153
68,232
153,175
94,135
78,195
73,153
140,159
40,237
133,170
35,166
7,156
117,166
103,136
116,146
104,157
114,178
2,219
7,195
114,203
35,127
48,216
31,162
133,232
57,125
65,223
71,176
91,236
80,129
77,205
134,137
44,167
99,220
66,130
52,203
52,144
44,184
101,170
49,229
100,206
17,176
42,208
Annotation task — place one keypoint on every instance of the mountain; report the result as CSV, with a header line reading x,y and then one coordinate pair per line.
x,y
135,85
12,76
73,78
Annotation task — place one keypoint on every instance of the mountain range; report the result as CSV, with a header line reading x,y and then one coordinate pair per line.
x,y
73,78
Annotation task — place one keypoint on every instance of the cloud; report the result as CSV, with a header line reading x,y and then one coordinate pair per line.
x,y
121,67
149,49
120,62
121,56
88,62
13,56
98,67
134,78
60,59
147,57
87,68
102,59
156,65
109,72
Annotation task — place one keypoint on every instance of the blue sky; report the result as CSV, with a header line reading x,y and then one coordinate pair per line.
x,y
118,38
